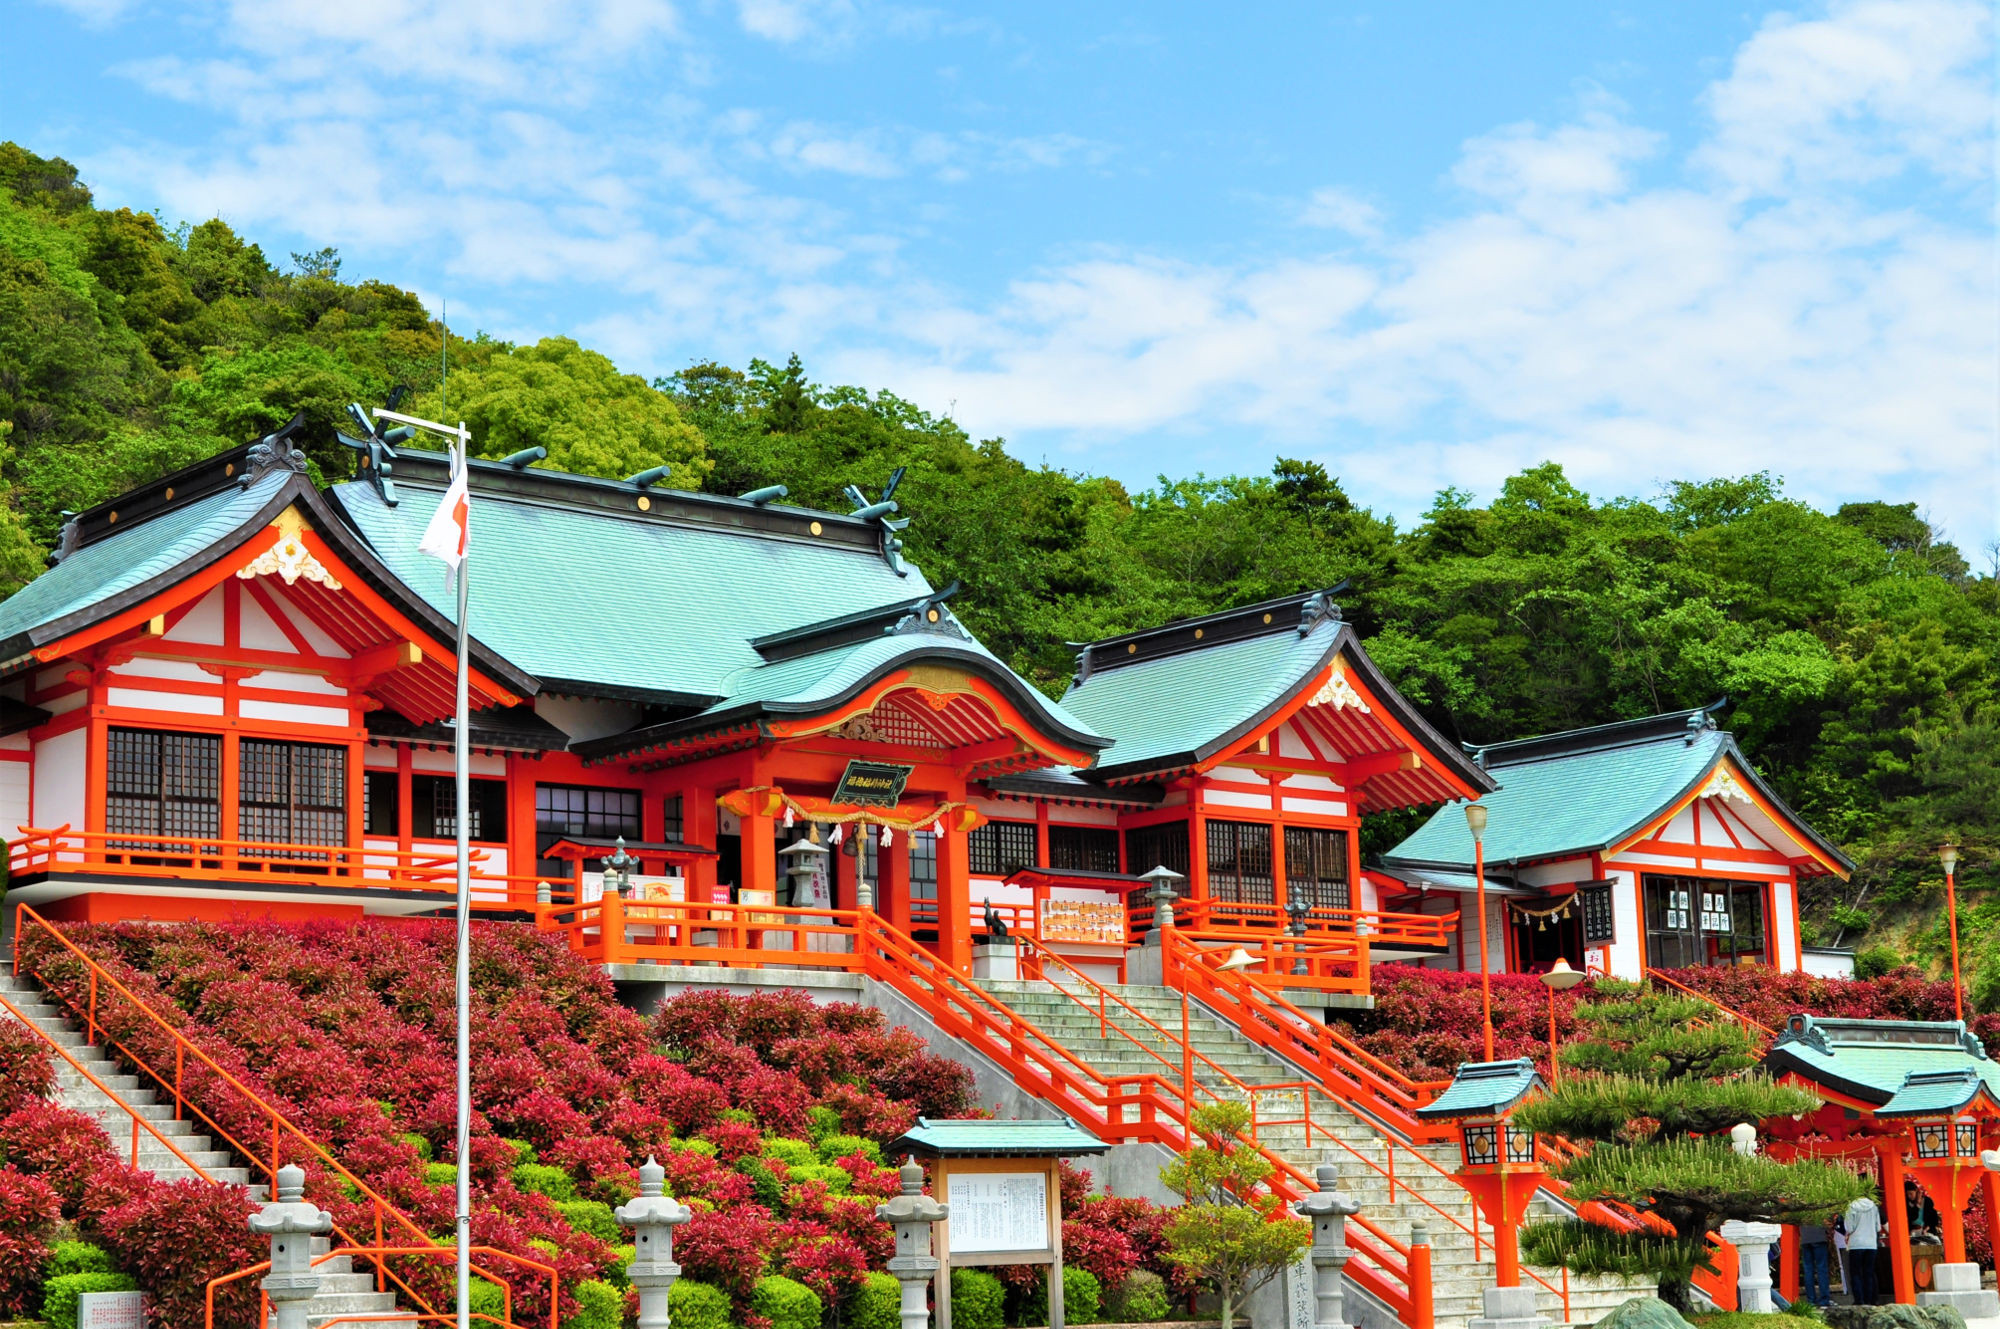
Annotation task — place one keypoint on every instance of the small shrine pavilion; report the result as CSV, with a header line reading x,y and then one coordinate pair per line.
x,y
1906,1101
1622,848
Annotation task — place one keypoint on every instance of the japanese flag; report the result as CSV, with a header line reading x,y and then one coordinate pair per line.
x,y
445,537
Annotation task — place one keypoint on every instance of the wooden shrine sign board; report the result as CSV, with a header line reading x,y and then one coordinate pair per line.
x,y
1003,1184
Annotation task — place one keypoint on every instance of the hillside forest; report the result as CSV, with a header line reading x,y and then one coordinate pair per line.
x,y
1857,647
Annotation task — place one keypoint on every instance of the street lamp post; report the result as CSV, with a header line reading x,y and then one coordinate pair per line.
x,y
1475,818
1948,855
1559,978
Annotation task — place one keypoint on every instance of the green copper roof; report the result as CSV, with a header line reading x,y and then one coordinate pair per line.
x,y
1871,1059
1483,1089
1586,790
1019,1139
1169,709
622,601
1938,1093
129,560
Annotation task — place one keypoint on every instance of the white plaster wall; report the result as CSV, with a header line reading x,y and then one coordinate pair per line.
x,y
59,782
1628,953
16,797
180,703
285,712
203,623
440,761
1785,926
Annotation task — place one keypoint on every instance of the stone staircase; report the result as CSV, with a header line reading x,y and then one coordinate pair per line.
x,y
343,1292
1458,1279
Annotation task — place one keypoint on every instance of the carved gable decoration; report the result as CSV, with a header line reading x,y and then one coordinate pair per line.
x,y
1724,785
1338,693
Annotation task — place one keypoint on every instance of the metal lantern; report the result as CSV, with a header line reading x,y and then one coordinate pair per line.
x,y
1479,1142
1520,1144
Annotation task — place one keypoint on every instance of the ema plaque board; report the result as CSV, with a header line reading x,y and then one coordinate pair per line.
x,y
996,1212
873,784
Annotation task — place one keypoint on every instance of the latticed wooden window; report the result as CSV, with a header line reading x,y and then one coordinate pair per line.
x,y
998,847
575,811
1162,846
161,783
1316,866
1083,848
1239,862
291,793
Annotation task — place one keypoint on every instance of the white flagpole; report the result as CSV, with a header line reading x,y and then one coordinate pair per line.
x,y
462,819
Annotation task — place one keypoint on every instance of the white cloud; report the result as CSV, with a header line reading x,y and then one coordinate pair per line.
x,y
1756,299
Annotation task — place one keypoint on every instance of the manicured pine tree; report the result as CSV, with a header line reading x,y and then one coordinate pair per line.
x,y
1230,1234
1651,1094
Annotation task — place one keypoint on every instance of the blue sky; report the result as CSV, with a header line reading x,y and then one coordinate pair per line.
x,y
1427,244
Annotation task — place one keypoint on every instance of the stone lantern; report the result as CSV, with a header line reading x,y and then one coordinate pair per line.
x,y
291,1222
801,861
1328,1211
619,868
912,1214
653,1216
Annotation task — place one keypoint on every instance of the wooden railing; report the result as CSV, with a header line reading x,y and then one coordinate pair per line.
x,y
202,1090
209,858
1378,926
613,930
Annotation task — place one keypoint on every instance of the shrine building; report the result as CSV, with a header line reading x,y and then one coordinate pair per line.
x,y
1623,849
232,695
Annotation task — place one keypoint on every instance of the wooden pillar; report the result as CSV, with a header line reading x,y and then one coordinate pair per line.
x,y
1989,1187
954,943
1904,1274
1280,890
230,812
760,853
97,770
1788,1262
699,820
1197,846
1041,833
405,815
892,867
522,859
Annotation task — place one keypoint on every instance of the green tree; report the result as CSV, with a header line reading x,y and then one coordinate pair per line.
x,y
1655,1088
1231,1233
574,402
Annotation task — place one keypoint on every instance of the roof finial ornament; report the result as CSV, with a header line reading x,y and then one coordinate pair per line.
x,y
1319,607
880,510
377,445
69,541
275,452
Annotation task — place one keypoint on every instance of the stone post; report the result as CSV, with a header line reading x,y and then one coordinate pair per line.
x,y
1148,964
912,1214
1958,1285
653,1217
1327,1210
1297,909
291,1222
1753,1263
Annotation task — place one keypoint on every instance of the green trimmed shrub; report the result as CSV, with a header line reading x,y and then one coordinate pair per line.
x,y
418,1143
789,1152
59,1294
594,1217
977,1300
838,1180
785,1302
693,1305
1082,1299
876,1304
541,1179
693,1147
523,1151
1140,1299
822,1121
617,1273
841,1146
765,1188
738,1116
598,1306
76,1257
488,1299
441,1174
1875,961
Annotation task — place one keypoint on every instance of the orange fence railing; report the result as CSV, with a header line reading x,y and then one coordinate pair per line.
x,y
113,1016
1749,1025
209,858
377,1253
1381,927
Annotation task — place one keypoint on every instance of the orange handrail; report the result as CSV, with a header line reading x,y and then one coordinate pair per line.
x,y
280,1125
1128,1107
1377,925
378,1253
138,1121
214,858
1749,1025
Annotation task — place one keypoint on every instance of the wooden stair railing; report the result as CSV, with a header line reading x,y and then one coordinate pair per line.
x,y
108,1000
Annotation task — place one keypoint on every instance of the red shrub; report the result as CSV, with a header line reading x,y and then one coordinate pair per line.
x,y
1104,1251
176,1237
734,1140
65,1149
831,1266
26,1072
726,1247
29,1211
